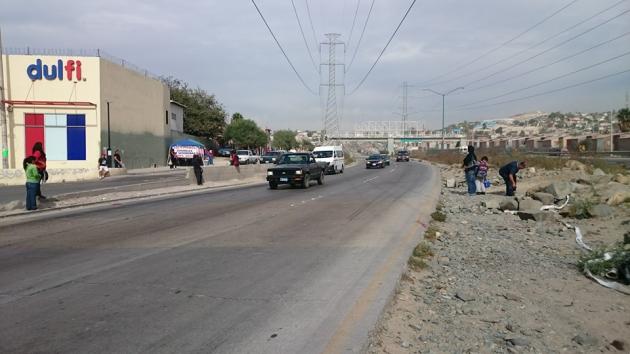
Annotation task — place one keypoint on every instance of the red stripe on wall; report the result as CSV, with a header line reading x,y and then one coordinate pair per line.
x,y
33,135
33,119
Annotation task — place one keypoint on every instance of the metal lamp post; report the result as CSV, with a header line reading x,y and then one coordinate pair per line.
x,y
443,95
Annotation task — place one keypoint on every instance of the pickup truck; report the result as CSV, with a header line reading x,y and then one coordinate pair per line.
x,y
246,157
296,169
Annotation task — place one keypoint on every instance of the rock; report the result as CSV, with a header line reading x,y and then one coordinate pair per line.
x,y
464,296
598,172
622,179
618,344
529,204
416,327
601,210
532,170
535,215
490,204
405,344
518,341
545,198
512,297
508,203
585,339
618,198
443,260
450,183
576,165
560,189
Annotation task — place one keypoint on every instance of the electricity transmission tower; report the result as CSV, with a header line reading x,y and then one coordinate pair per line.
x,y
331,121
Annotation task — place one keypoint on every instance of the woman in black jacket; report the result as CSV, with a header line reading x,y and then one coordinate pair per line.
x,y
470,169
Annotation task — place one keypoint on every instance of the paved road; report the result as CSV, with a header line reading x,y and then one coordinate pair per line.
x,y
11,193
247,270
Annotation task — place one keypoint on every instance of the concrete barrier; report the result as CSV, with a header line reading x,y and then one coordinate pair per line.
x,y
228,173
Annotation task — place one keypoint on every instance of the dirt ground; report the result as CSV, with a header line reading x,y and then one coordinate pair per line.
x,y
498,284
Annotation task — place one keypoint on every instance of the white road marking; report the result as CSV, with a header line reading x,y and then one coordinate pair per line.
x,y
392,170
371,179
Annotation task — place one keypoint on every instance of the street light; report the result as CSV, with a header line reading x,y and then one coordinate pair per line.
x,y
443,95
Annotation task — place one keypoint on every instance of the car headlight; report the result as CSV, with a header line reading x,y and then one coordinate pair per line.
x,y
269,173
298,172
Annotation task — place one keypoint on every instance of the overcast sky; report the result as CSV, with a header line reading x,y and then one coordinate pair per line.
x,y
224,48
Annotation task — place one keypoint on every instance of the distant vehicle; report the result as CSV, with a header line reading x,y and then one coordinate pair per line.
x,y
402,155
296,169
224,152
246,157
386,159
375,161
333,155
270,156
558,152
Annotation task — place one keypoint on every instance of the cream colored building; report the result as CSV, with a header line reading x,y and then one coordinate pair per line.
x,y
62,101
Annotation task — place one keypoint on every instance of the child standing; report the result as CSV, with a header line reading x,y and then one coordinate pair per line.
x,y
482,173
32,182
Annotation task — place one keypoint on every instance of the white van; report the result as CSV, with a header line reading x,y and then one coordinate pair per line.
x,y
333,155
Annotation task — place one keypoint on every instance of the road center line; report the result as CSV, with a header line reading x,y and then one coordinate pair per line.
x,y
371,179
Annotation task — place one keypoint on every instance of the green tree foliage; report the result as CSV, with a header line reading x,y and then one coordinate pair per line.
x,y
245,133
306,145
205,116
237,116
284,139
623,117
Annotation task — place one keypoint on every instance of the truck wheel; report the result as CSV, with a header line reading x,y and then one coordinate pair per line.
x,y
306,182
273,185
320,180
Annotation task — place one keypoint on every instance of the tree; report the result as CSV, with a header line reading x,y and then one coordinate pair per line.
x,y
306,145
499,130
284,139
623,117
237,116
245,133
521,134
204,115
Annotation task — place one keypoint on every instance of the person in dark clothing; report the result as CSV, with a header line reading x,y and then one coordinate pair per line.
x,y
172,158
508,173
118,159
470,169
197,162
40,162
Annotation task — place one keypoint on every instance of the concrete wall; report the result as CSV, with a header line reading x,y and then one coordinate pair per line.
x,y
138,108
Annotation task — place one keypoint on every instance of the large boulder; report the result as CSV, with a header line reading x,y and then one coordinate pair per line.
x,y
536,215
622,179
560,189
614,193
508,203
601,210
598,172
529,205
450,183
576,165
545,198
490,204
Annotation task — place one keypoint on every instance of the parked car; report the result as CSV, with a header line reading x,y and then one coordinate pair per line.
x,y
270,156
332,155
375,161
224,152
402,155
386,159
296,169
246,157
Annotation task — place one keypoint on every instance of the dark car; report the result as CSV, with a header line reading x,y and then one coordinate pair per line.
x,y
296,169
375,161
224,152
402,155
270,156
386,159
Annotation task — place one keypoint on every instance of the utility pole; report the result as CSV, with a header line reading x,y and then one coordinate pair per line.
x,y
443,96
109,140
405,111
3,113
331,121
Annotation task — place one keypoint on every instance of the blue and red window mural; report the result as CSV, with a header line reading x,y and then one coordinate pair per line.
x,y
63,135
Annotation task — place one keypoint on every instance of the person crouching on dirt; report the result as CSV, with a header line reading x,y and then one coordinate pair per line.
x,y
508,172
197,162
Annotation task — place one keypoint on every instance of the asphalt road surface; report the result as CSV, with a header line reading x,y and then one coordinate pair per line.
x,y
246,270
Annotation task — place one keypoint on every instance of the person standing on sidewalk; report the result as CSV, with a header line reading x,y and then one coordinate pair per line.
x,y
234,161
197,162
40,162
508,172
470,170
172,158
118,160
32,182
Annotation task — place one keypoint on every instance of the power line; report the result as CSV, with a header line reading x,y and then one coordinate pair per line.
x,y
532,46
548,65
549,80
282,50
297,17
547,50
354,21
310,19
503,44
356,49
384,48
548,92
